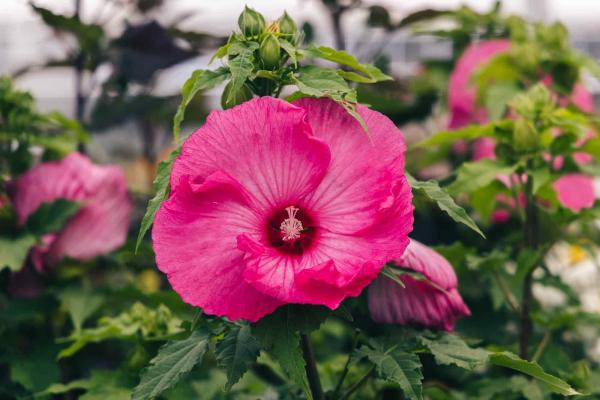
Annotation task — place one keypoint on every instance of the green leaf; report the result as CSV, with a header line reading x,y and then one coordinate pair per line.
x,y
50,217
14,251
241,64
390,273
289,49
510,360
497,97
161,190
279,334
444,201
236,353
200,80
80,305
447,137
450,349
137,322
174,360
396,366
36,370
372,73
475,175
320,82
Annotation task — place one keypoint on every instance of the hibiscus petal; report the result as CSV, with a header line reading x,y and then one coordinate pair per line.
x,y
575,191
416,304
264,143
364,167
195,238
419,302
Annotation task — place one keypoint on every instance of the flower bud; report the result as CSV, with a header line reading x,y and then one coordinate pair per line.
x,y
269,52
251,23
229,99
287,24
525,136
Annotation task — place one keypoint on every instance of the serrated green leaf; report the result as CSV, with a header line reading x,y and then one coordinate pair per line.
x,y
320,82
174,360
444,201
450,349
497,97
241,64
289,49
236,353
279,334
475,175
200,80
396,366
14,251
50,217
512,361
161,190
373,74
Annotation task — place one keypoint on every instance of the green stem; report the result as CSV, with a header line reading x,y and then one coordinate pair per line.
x,y
508,296
346,369
311,368
531,241
542,346
357,384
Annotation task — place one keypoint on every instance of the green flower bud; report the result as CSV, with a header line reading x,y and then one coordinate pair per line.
x,y
251,23
270,51
287,24
229,99
525,137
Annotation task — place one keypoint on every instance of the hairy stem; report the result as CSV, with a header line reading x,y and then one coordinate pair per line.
x,y
311,368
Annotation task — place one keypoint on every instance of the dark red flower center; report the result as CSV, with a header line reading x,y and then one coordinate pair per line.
x,y
291,230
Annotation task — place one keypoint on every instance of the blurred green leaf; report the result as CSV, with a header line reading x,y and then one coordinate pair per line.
x,y
161,190
14,251
475,175
50,217
79,304
512,361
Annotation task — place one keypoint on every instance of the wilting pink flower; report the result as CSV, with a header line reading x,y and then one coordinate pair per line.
x,y
575,191
435,304
274,203
99,226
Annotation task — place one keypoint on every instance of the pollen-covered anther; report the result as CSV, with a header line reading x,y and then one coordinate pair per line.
x,y
291,227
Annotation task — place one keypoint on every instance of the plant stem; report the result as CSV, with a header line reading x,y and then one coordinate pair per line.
x,y
510,299
346,369
531,241
357,384
311,368
542,346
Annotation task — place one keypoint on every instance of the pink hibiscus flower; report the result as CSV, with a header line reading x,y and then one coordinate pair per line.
x,y
435,304
98,227
462,94
275,203
575,191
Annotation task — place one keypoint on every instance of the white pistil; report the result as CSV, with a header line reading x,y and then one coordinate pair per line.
x,y
291,227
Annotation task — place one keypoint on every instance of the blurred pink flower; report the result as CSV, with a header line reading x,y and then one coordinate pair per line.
x,y
98,227
462,94
274,203
437,304
575,191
